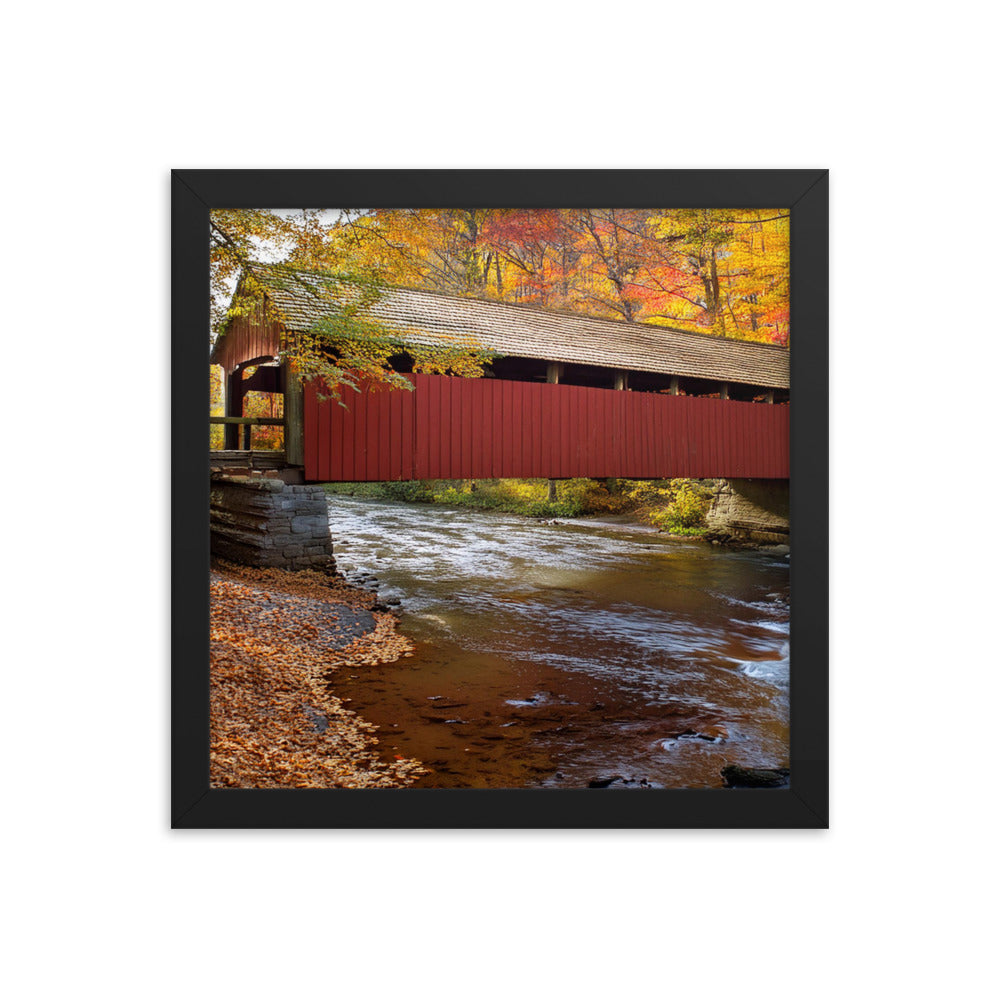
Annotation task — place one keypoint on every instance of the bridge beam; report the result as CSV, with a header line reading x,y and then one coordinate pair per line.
x,y
294,439
234,408
553,373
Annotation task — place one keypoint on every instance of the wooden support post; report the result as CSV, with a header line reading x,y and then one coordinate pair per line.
x,y
552,375
675,385
234,408
723,390
294,446
769,396
621,380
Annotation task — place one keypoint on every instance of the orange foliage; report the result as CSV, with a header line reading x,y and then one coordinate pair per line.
x,y
712,270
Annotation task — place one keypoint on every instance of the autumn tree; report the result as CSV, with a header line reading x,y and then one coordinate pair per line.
x,y
348,344
716,271
757,272
739,261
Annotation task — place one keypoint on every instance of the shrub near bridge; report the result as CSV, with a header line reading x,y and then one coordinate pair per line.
x,y
674,505
685,514
411,491
528,497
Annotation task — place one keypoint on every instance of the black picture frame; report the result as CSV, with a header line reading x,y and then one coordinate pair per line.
x,y
804,804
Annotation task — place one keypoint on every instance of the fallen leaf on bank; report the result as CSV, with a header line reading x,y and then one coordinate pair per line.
x,y
274,655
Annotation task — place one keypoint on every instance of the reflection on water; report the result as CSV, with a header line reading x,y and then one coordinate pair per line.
x,y
553,654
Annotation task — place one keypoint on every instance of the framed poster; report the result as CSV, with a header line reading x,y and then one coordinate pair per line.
x,y
549,446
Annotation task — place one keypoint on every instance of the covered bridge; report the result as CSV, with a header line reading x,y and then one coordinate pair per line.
x,y
568,395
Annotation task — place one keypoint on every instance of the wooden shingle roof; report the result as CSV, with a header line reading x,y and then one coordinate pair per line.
x,y
550,335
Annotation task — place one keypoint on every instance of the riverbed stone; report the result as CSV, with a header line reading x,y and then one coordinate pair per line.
x,y
755,777
604,782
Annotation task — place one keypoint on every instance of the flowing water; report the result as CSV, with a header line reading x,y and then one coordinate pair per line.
x,y
556,654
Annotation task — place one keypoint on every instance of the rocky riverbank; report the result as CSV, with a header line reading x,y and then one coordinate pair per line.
x,y
278,639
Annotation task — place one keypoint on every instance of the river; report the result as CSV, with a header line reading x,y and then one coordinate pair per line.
x,y
556,654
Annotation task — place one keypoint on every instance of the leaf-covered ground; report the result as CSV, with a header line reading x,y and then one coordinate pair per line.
x,y
276,640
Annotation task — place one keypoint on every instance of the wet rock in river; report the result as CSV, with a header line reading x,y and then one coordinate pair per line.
x,y
710,734
619,781
604,782
754,777
713,733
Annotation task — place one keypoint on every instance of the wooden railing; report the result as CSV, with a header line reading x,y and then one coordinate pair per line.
x,y
246,424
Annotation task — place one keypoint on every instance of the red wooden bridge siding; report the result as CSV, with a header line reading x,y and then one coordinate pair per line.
x,y
456,428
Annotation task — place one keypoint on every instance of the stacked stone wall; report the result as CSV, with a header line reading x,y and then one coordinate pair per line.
x,y
749,510
266,522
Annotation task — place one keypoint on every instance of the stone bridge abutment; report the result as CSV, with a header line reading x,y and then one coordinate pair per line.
x,y
752,511
260,521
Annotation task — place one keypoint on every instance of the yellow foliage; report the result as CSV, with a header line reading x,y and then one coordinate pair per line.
x,y
722,271
347,345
